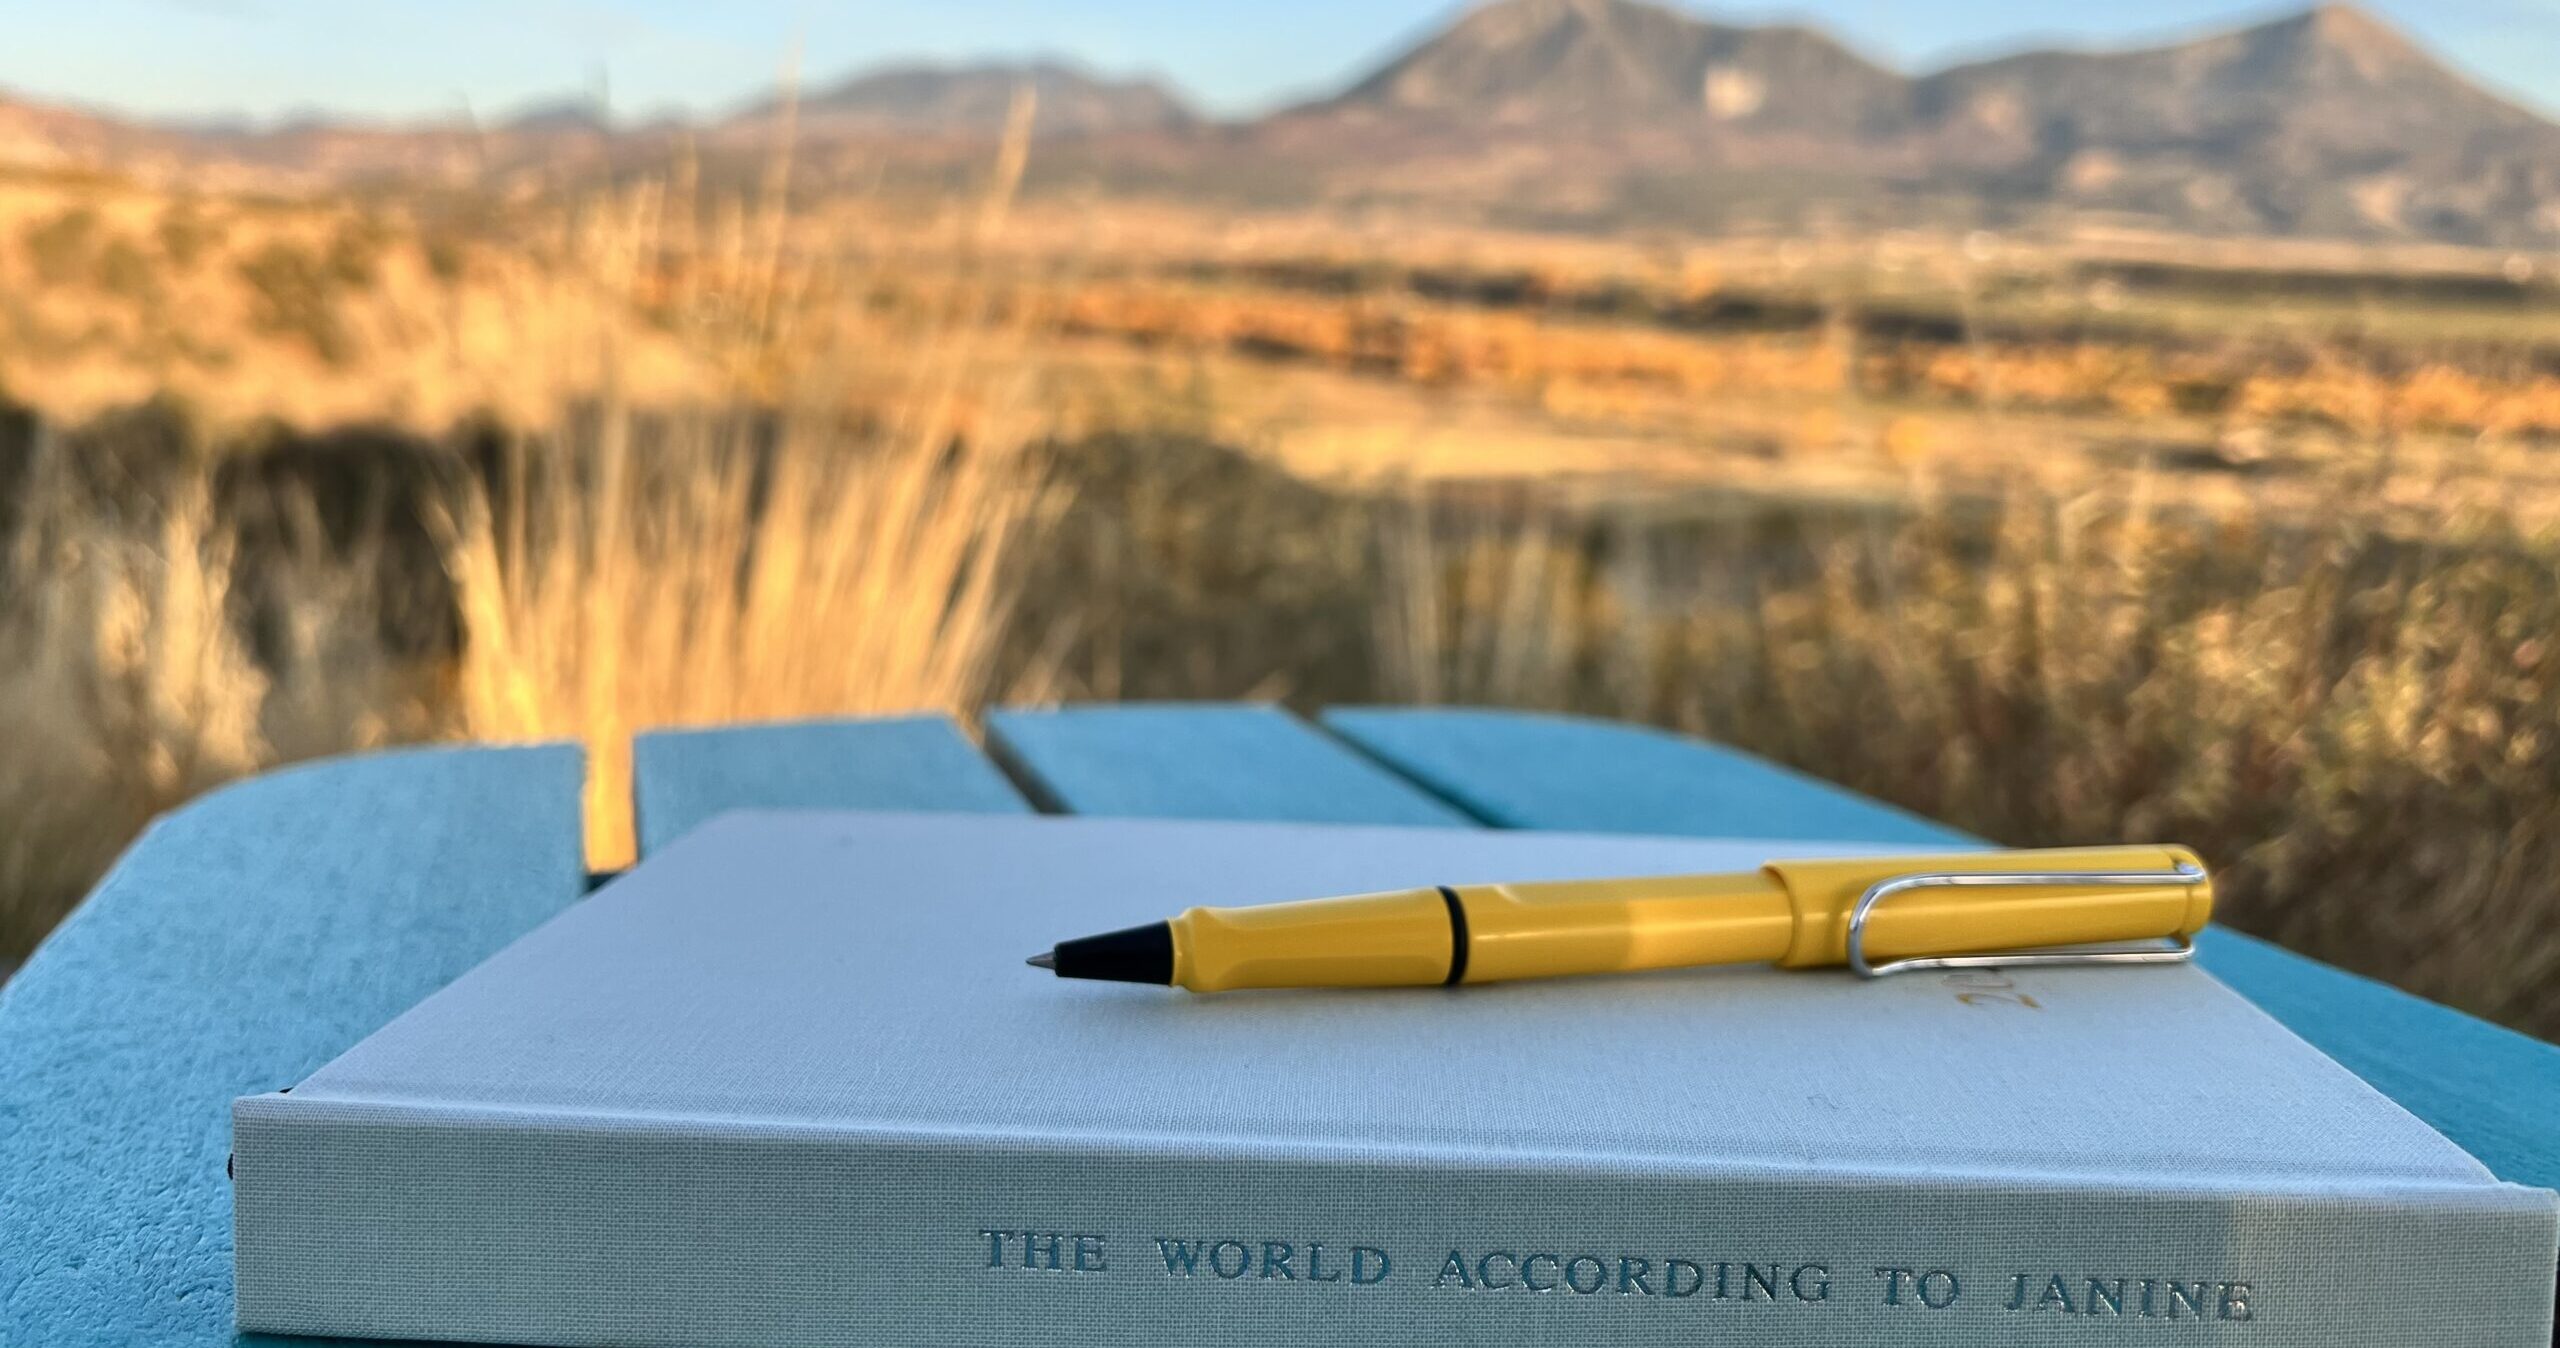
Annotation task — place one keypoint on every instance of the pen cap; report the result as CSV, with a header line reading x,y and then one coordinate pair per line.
x,y
1956,920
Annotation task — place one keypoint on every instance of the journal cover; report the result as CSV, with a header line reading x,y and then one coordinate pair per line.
x,y
789,1082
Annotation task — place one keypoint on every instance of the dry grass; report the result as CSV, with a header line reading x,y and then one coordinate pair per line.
x,y
2359,728
810,578
130,676
752,467
642,570
167,624
122,692
615,576
2362,732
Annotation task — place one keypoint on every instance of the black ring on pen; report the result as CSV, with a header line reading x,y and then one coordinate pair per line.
x,y
1457,936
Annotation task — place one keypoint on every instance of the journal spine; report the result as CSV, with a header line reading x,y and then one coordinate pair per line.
x,y
413,1222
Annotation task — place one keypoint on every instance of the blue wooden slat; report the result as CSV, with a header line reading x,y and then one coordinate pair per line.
x,y
1520,770
2493,1091
1203,762
242,942
683,777
2490,1089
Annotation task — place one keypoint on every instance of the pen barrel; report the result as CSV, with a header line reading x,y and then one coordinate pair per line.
x,y
1398,938
1960,920
1565,927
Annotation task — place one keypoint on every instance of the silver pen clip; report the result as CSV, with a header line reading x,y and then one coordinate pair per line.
x,y
2168,950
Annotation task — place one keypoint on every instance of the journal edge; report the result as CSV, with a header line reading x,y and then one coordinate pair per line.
x,y
415,1221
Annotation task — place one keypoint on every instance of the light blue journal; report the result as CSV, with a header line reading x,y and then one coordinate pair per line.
x,y
789,1084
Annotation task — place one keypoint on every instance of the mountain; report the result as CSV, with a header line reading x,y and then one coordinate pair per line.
x,y
2328,121
49,136
1592,114
2325,122
566,116
976,100
2333,78
312,152
1527,61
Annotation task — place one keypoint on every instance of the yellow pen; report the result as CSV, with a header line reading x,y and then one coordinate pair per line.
x,y
1877,915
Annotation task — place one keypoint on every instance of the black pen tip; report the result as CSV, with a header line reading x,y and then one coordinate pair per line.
x,y
1137,955
1046,959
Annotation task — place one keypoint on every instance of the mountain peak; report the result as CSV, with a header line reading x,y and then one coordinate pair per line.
x,y
2349,33
2344,22
1614,60
2334,66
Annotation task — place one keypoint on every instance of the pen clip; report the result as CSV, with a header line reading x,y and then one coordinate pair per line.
x,y
2168,950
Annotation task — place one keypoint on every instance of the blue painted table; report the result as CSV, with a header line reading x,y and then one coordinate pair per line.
x,y
251,936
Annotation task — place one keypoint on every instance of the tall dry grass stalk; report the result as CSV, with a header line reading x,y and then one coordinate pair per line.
x,y
2361,732
129,681
121,692
712,579
1471,615
639,569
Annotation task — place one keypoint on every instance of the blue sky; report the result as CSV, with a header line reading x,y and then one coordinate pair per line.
x,y
266,58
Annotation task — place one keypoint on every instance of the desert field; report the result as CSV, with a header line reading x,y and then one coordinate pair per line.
x,y
2061,537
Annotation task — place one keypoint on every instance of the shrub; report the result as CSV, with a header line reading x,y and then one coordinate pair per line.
x,y
292,294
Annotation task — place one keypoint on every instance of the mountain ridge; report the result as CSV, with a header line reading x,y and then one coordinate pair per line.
x,y
2326,121
1069,98
1617,57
